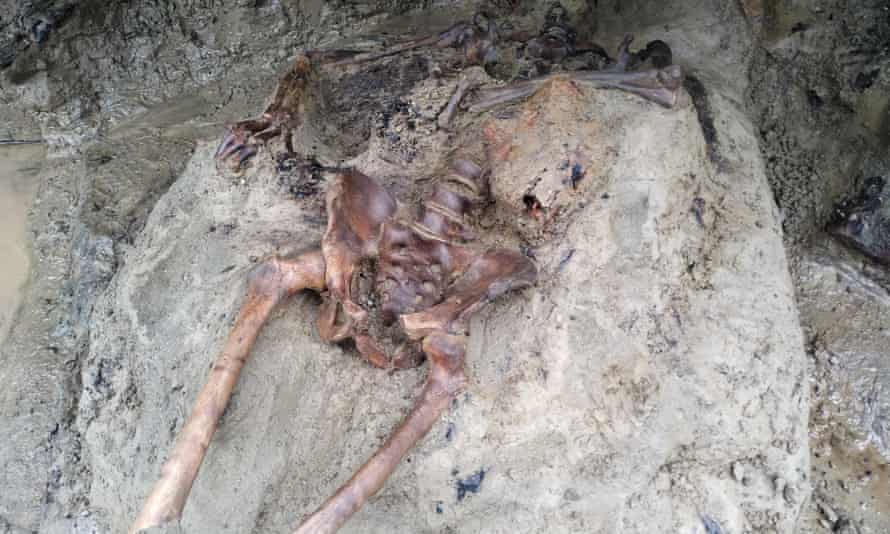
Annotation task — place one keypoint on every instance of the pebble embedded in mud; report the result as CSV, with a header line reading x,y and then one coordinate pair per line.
x,y
470,484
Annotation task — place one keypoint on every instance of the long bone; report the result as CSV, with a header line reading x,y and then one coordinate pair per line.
x,y
446,378
441,282
268,284
658,85
477,38
422,264
287,107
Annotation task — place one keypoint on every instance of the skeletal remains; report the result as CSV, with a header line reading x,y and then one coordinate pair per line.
x,y
427,275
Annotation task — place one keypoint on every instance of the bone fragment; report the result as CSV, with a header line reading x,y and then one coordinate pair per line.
x,y
494,97
448,114
269,283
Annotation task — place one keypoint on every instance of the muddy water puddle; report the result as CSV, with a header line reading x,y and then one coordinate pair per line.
x,y
19,169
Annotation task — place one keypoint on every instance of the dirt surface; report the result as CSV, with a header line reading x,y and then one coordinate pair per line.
x,y
660,379
549,407
19,166
844,310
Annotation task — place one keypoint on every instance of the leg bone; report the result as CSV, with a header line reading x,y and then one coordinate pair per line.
x,y
446,378
657,85
269,283
453,36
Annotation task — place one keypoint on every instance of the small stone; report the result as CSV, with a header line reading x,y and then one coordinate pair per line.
x,y
828,512
738,472
789,494
779,484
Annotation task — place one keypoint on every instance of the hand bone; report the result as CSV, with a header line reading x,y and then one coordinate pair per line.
x,y
286,110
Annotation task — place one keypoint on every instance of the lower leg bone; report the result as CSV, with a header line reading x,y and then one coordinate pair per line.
x,y
269,283
445,354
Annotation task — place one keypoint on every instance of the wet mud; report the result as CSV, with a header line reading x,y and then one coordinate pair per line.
x,y
138,248
19,180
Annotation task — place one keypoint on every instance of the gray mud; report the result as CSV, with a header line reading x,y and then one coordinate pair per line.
x,y
19,169
700,357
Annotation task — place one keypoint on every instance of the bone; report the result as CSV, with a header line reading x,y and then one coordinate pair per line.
x,y
232,146
557,41
477,38
447,115
669,78
444,39
489,276
268,133
416,260
446,378
227,140
624,55
357,207
234,140
420,258
658,85
245,154
492,98
269,283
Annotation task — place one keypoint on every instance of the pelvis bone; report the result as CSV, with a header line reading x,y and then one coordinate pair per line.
x,y
429,280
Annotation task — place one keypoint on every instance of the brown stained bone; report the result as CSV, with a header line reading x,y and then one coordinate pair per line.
x,y
625,56
357,207
489,276
450,110
657,85
287,108
476,39
429,280
416,259
660,84
491,98
446,378
281,117
268,284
